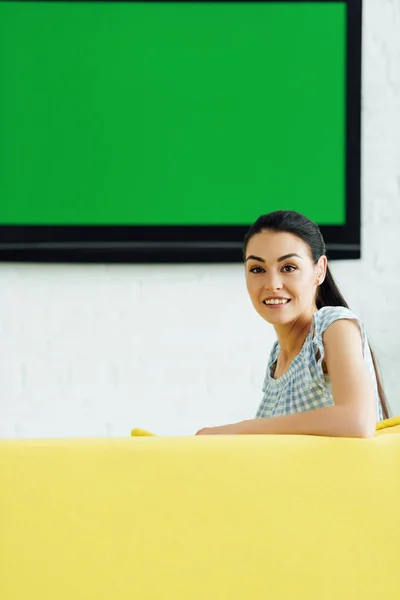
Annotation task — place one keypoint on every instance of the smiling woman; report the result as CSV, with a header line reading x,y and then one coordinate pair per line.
x,y
321,376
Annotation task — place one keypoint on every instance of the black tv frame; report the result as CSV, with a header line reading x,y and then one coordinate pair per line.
x,y
199,244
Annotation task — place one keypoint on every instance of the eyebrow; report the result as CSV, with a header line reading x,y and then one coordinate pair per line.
x,y
280,259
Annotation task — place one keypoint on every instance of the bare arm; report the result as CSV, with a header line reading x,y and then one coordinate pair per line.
x,y
354,412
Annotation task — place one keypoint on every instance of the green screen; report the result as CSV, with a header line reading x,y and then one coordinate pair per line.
x,y
171,113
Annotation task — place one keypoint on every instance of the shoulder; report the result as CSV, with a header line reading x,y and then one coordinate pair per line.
x,y
337,328
325,317
343,333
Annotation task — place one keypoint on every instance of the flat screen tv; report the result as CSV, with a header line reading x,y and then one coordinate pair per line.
x,y
159,131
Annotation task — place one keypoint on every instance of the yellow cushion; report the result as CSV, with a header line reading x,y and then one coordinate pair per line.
x,y
388,426
141,432
195,517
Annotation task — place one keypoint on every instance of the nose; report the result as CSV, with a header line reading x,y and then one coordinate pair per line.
x,y
273,281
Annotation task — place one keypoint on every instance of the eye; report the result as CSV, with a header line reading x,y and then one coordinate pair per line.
x,y
290,267
254,270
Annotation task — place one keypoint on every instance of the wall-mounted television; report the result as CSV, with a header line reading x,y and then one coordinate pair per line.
x,y
159,131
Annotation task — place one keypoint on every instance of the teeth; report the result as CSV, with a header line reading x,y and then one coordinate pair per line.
x,y
276,301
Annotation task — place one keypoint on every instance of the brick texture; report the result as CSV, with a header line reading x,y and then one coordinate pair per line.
x,y
94,350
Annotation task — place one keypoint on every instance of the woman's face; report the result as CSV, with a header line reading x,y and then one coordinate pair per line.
x,y
279,267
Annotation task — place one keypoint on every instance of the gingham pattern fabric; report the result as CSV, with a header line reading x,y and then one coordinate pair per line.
x,y
305,386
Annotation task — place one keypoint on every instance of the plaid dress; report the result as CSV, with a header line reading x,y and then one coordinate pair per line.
x,y
305,386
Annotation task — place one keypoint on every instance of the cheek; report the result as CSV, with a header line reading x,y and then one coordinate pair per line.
x,y
305,286
300,286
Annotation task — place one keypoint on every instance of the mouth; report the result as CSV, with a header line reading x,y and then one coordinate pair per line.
x,y
276,303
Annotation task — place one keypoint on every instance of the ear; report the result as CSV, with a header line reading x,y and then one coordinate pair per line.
x,y
321,269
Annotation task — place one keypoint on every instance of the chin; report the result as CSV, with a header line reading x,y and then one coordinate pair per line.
x,y
277,321
276,316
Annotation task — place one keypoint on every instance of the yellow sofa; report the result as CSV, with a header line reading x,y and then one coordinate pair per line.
x,y
201,518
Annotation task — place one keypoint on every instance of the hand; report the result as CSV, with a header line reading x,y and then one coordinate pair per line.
x,y
232,429
206,431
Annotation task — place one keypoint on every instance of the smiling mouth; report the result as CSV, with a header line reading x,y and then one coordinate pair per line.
x,y
275,303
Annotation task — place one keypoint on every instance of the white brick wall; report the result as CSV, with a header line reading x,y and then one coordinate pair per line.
x,y
96,350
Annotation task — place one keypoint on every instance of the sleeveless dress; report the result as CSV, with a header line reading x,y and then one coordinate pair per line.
x,y
305,386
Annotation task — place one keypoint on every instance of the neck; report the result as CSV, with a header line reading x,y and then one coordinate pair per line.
x,y
291,336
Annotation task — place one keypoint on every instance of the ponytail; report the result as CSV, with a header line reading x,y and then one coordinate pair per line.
x,y
329,295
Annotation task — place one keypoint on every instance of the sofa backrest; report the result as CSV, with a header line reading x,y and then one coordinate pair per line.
x,y
205,517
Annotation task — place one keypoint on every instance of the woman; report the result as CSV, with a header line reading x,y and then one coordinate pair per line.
x,y
321,376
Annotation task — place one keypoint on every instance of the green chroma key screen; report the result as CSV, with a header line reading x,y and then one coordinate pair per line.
x,y
171,113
